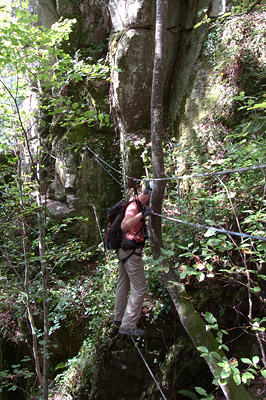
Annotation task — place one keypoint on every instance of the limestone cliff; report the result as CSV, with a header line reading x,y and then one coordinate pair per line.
x,y
124,32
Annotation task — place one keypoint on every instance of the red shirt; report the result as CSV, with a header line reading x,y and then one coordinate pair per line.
x,y
136,232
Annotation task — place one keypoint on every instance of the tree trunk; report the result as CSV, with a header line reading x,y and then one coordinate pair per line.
x,y
33,132
157,123
192,322
1,367
26,280
42,233
200,336
45,301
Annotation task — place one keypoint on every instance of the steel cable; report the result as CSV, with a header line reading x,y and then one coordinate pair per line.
x,y
201,175
224,172
212,228
148,368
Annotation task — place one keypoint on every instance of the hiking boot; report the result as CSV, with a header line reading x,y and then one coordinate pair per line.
x,y
132,332
117,323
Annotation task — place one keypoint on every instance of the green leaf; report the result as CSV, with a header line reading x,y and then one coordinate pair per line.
x,y
201,276
246,360
61,365
168,253
256,289
201,391
188,394
216,355
255,360
203,349
214,242
246,376
210,318
210,232
209,222
225,374
183,275
263,373
237,379
261,105
224,347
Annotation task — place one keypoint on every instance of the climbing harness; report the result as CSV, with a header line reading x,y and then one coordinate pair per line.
x,y
131,254
148,368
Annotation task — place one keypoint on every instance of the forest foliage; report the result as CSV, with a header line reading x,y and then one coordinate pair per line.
x,y
223,274
36,69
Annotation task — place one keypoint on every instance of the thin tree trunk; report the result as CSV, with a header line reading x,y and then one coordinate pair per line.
x,y
26,283
157,123
200,336
45,300
42,233
191,321
1,367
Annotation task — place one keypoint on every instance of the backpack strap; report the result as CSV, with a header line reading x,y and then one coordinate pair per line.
x,y
140,208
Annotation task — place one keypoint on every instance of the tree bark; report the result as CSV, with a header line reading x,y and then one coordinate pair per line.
x,y
42,244
157,124
191,321
200,336
45,300
26,280
1,367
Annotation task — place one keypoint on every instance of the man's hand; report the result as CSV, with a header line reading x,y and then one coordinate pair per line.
x,y
147,211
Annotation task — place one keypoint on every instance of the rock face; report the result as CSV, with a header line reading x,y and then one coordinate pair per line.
x,y
132,54
76,183
128,27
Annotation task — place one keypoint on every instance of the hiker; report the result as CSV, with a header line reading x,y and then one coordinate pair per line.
x,y
131,267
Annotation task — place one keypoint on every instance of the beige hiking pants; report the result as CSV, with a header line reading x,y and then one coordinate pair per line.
x,y
131,278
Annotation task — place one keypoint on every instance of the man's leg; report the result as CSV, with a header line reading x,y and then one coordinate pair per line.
x,y
122,288
135,270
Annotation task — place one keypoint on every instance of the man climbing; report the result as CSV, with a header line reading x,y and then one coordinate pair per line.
x,y
131,267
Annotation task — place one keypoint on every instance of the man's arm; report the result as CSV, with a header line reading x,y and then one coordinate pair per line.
x,y
129,222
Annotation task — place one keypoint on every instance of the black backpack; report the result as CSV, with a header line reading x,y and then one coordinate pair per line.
x,y
113,234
